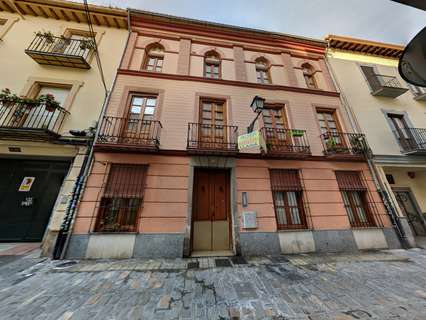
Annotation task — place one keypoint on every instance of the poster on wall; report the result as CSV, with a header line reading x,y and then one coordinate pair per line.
x,y
26,184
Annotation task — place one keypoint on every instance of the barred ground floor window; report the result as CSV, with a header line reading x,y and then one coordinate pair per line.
x,y
287,194
354,194
122,198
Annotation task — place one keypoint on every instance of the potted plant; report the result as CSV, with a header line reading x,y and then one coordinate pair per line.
x,y
7,97
297,133
87,44
47,35
50,103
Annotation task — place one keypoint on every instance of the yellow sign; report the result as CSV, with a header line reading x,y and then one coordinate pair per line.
x,y
250,140
26,184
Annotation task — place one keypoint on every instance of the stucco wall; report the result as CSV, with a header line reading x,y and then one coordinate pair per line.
x,y
368,108
19,67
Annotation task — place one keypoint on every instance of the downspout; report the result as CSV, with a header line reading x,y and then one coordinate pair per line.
x,y
381,188
67,225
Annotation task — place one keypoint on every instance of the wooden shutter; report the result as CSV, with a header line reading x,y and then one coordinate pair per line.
x,y
350,180
285,180
126,181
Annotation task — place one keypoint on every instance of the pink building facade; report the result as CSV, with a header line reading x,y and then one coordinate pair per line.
x,y
168,179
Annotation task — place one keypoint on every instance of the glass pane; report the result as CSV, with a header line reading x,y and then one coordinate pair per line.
x,y
359,206
149,110
135,110
137,101
207,106
320,116
348,206
151,101
278,198
160,62
148,117
281,217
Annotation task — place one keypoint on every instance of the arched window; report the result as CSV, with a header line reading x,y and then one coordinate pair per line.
x,y
212,65
154,58
262,70
308,74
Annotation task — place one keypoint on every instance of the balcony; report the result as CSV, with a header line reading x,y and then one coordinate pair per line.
x,y
212,139
33,122
385,86
60,51
123,134
344,145
412,140
287,143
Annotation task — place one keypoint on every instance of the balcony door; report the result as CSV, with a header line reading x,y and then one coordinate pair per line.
x,y
402,131
212,132
330,129
40,117
371,76
275,125
138,124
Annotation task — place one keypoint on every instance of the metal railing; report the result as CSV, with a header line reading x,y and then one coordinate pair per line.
x,y
412,139
340,143
212,137
61,49
378,81
133,132
285,140
36,117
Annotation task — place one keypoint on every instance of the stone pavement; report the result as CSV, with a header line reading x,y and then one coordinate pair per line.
x,y
380,285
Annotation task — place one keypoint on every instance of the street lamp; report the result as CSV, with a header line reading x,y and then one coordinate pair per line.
x,y
257,106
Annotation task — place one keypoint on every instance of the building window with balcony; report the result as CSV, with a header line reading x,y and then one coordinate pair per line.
x,y
154,58
309,75
330,128
355,199
122,199
405,134
262,71
287,194
212,65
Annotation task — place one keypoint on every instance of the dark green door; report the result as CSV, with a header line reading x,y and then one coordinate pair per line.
x,y
28,191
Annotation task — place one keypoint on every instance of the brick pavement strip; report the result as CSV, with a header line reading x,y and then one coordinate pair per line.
x,y
384,285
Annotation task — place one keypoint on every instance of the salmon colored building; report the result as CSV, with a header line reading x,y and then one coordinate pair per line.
x,y
168,177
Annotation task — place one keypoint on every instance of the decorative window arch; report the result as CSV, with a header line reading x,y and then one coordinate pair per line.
x,y
262,70
212,65
154,57
308,74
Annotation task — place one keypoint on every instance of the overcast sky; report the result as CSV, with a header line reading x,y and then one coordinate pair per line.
x,y
380,20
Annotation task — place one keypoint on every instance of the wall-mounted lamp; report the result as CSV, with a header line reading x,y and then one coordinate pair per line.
x,y
411,174
257,106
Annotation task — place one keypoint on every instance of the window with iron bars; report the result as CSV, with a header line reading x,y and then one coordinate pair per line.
x,y
122,198
355,194
287,194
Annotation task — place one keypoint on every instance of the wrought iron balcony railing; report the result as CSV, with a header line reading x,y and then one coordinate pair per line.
x,y
21,120
281,142
118,132
342,144
60,51
212,138
412,140
385,86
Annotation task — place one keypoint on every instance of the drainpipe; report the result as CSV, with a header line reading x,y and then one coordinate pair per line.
x,y
65,231
387,200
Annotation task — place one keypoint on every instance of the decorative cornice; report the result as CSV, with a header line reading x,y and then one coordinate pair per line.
x,y
68,11
364,46
179,77
400,160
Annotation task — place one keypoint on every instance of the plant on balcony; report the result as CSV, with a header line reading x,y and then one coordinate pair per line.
x,y
358,144
47,35
87,44
50,103
6,96
297,133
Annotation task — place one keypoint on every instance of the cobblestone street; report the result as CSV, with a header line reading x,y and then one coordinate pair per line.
x,y
382,285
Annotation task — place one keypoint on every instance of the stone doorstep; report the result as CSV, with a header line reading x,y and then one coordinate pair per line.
x,y
177,265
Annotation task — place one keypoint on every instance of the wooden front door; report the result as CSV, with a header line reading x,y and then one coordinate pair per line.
x,y
212,132
211,207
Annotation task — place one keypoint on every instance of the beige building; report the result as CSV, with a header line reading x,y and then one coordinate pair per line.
x,y
45,48
392,115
